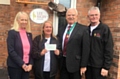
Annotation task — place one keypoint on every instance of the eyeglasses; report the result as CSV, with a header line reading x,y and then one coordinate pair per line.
x,y
91,15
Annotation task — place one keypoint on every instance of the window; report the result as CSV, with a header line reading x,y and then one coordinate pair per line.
x,y
66,3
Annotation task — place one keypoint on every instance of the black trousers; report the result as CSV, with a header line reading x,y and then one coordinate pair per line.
x,y
93,73
17,73
46,75
64,74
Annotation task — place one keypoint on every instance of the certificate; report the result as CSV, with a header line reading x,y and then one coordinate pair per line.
x,y
50,46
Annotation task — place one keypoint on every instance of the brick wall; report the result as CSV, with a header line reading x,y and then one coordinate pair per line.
x,y
4,26
110,14
83,7
110,10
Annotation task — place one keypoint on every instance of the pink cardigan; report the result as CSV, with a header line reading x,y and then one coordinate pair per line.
x,y
26,45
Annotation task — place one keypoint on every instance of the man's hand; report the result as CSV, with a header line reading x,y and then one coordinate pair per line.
x,y
83,70
104,72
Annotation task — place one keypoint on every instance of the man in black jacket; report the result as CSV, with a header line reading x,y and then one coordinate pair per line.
x,y
101,47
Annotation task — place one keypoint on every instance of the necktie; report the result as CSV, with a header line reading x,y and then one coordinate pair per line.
x,y
66,41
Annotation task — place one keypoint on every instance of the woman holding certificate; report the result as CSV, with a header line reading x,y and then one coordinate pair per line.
x,y
45,53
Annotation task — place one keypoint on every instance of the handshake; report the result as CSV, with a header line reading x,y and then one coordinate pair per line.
x,y
27,68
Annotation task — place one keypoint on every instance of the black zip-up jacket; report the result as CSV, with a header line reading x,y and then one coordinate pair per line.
x,y
38,46
101,47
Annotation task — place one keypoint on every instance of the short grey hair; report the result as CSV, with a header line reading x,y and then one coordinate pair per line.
x,y
94,8
73,9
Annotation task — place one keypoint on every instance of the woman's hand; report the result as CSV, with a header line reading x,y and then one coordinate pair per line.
x,y
24,66
57,52
29,67
43,52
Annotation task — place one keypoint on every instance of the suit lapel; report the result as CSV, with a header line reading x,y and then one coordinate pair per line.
x,y
74,32
41,43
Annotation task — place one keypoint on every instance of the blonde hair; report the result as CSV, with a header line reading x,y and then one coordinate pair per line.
x,y
42,32
16,25
94,8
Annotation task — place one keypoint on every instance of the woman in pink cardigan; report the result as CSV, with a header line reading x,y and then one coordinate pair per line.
x,y
19,45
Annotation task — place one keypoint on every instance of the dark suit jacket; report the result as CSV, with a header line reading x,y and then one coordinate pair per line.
x,y
15,49
38,46
77,47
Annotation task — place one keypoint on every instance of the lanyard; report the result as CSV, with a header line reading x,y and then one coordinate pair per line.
x,y
69,31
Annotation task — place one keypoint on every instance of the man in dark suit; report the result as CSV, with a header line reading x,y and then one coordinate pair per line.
x,y
74,39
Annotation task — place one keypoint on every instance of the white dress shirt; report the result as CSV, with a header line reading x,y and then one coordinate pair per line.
x,y
65,34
